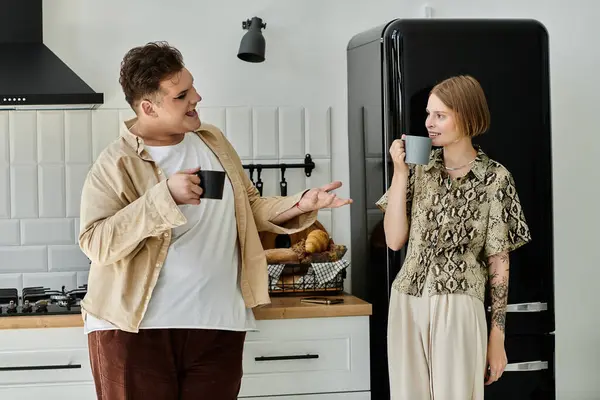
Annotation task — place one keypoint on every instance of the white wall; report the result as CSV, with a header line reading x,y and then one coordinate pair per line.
x,y
306,43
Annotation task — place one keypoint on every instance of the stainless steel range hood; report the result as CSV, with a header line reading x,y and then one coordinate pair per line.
x,y
31,75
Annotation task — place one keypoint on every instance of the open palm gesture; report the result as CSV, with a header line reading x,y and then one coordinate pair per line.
x,y
318,198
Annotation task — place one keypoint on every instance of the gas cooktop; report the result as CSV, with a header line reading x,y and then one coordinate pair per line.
x,y
40,300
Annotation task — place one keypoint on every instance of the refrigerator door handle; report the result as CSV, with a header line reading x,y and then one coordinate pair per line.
x,y
526,366
525,307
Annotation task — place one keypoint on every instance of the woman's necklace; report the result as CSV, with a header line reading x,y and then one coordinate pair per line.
x,y
462,166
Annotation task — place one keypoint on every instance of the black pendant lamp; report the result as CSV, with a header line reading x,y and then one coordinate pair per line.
x,y
252,46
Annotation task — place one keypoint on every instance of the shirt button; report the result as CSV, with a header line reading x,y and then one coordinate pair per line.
x,y
166,234
159,172
157,265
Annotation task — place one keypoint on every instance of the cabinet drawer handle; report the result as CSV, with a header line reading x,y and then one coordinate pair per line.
x,y
40,367
525,307
281,358
527,366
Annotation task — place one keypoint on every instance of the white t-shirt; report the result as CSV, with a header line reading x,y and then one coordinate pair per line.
x,y
198,284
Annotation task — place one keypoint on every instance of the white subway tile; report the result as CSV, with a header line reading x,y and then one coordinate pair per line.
x,y
4,135
47,231
266,133
239,130
23,137
52,191
51,136
318,132
24,191
105,129
214,116
51,280
4,192
11,281
291,132
10,232
76,175
321,175
78,136
67,258
23,259
82,278
76,230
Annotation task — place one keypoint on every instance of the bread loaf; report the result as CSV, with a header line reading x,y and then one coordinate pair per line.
x,y
317,241
281,256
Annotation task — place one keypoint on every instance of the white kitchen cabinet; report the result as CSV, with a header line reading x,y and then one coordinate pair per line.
x,y
69,391
303,356
287,359
323,396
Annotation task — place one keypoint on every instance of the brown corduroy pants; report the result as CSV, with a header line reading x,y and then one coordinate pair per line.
x,y
167,364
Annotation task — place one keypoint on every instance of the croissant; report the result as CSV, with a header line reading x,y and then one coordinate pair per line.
x,y
317,241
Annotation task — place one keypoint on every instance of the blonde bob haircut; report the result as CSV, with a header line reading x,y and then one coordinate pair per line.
x,y
464,96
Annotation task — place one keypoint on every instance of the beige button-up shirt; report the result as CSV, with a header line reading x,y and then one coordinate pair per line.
x,y
455,225
127,214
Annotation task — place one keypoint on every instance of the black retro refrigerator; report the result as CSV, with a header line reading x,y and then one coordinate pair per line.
x,y
391,69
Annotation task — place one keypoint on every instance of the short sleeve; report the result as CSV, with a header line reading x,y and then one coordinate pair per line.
x,y
507,229
410,189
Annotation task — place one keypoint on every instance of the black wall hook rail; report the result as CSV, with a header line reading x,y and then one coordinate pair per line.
x,y
308,165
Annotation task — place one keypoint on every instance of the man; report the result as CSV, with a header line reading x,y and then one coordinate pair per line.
x,y
174,277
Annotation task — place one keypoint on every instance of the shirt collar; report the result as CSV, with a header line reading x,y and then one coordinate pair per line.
x,y
136,142
478,169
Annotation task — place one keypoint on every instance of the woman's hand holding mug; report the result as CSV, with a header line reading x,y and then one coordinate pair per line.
x,y
398,153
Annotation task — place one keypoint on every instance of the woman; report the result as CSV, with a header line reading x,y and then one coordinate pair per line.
x,y
461,217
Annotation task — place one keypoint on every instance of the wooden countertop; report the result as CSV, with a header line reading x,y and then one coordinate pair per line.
x,y
280,308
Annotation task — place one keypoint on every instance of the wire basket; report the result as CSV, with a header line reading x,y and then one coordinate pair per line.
x,y
318,273
302,279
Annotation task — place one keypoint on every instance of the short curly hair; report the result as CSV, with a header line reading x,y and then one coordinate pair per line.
x,y
464,95
144,67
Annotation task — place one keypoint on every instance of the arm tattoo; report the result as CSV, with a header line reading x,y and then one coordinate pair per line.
x,y
498,269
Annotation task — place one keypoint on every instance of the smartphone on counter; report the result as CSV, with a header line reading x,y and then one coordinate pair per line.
x,y
321,300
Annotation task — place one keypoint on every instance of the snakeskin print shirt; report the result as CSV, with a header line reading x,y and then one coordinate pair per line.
x,y
456,224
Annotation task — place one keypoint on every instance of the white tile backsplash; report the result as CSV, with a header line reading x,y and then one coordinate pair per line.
x,y
318,128
46,231
24,191
10,232
45,157
291,132
78,137
4,139
11,281
265,128
23,259
67,258
105,129
238,123
51,190
76,174
214,116
5,191
51,280
23,137
51,137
